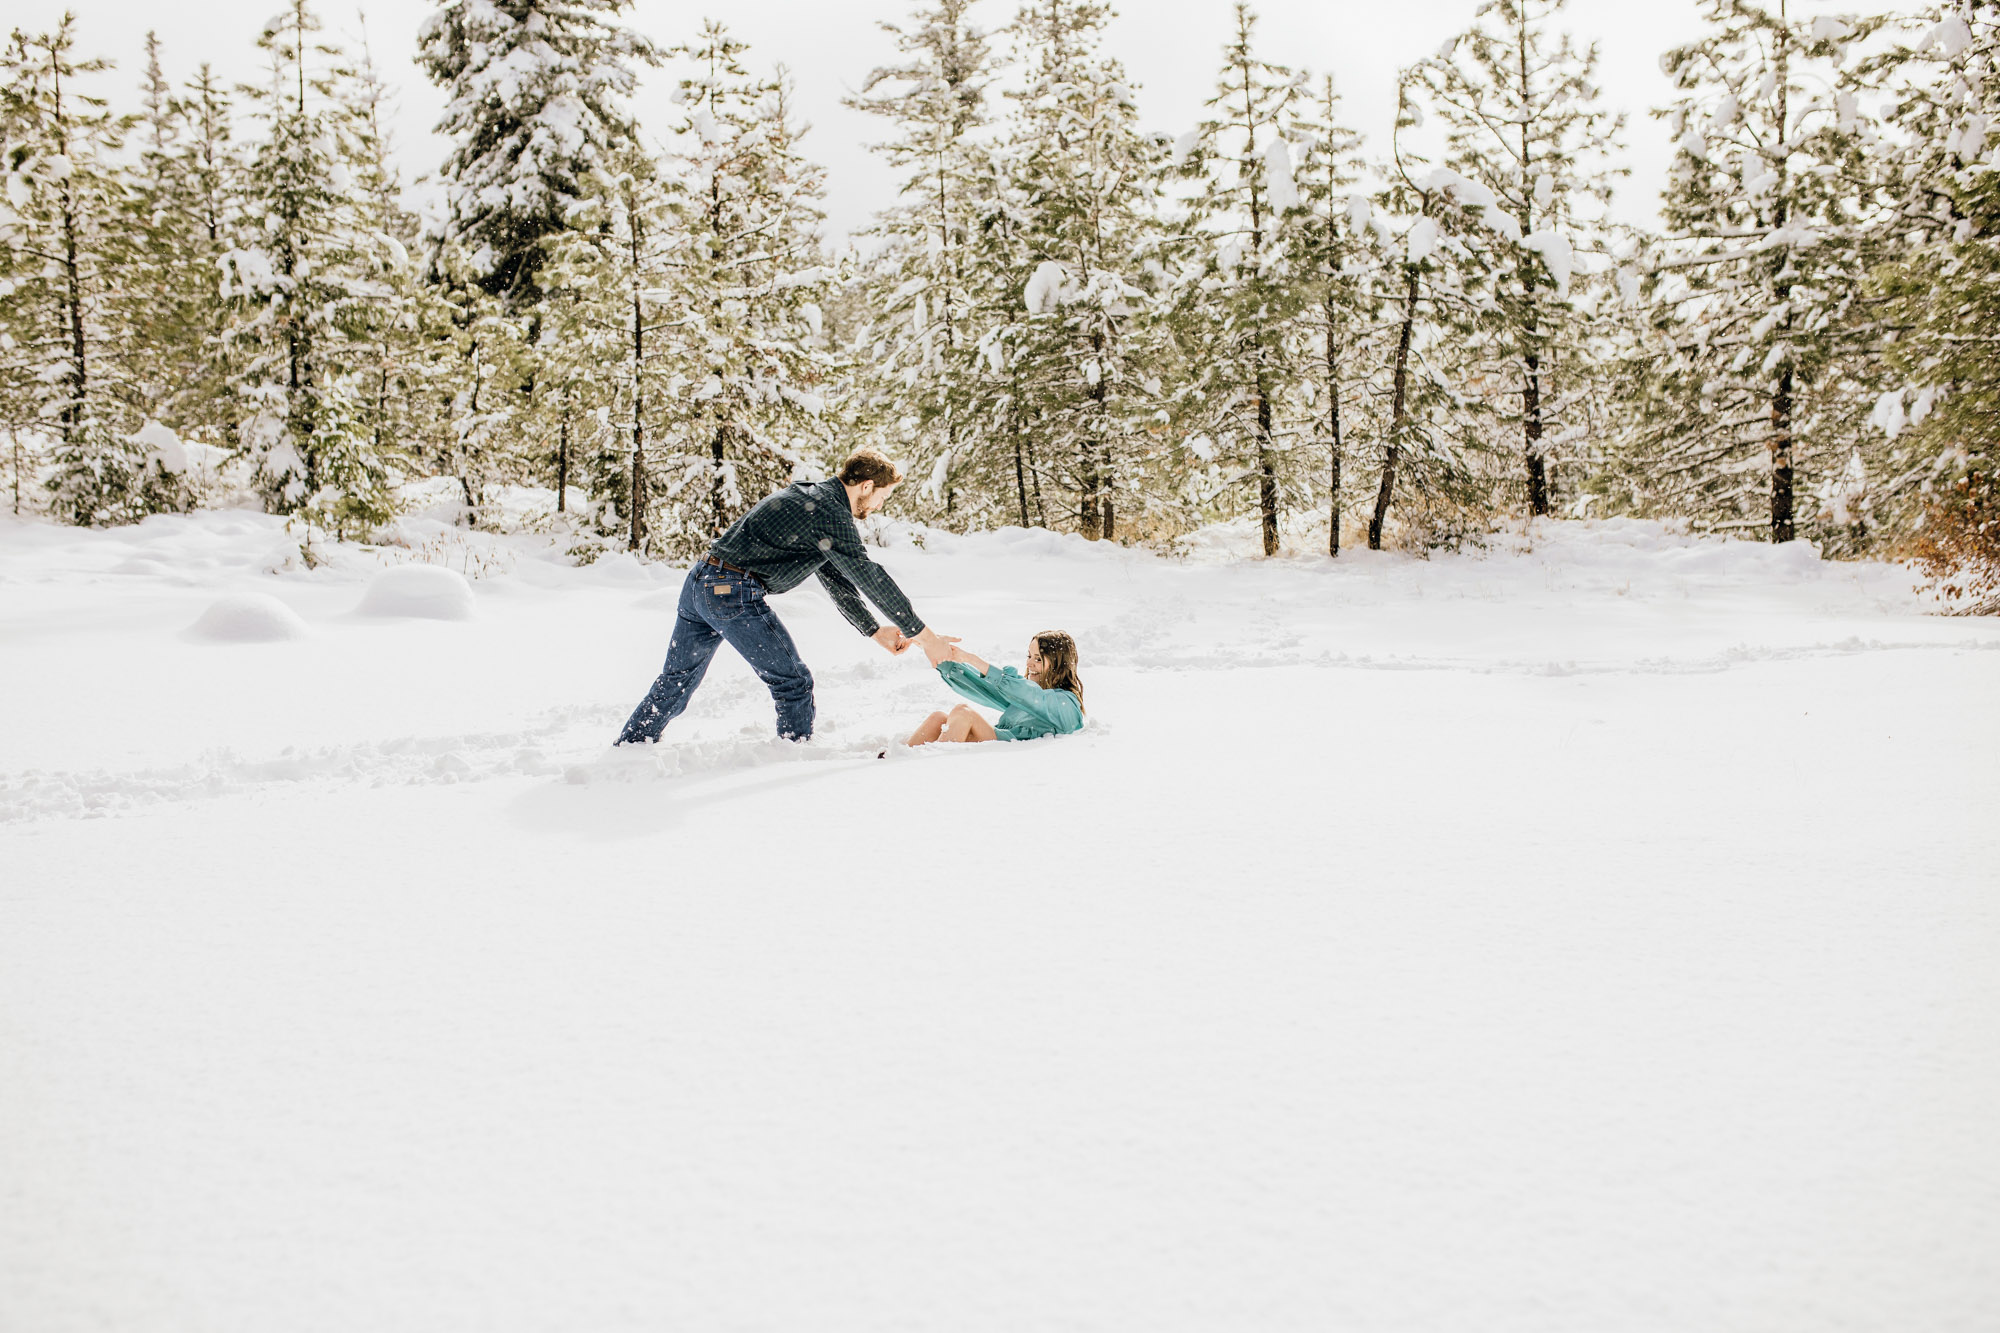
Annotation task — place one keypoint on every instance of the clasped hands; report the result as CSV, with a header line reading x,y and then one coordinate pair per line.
x,y
937,647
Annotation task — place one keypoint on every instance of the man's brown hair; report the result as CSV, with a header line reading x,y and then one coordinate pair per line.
x,y
866,464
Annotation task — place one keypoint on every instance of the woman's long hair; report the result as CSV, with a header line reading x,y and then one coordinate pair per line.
x,y
1058,652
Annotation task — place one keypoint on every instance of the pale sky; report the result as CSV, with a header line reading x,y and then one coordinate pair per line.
x,y
1170,49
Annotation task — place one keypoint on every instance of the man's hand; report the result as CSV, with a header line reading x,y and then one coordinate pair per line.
x,y
891,639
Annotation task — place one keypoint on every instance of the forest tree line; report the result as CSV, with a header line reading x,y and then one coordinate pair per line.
x,y
1062,320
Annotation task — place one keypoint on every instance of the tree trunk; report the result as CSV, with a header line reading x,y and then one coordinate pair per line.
x,y
300,341
950,452
464,451
1398,408
1021,479
1531,411
1267,471
1531,386
79,376
1035,483
73,411
562,466
1781,397
1781,459
638,532
1096,504
1333,433
1088,522
715,500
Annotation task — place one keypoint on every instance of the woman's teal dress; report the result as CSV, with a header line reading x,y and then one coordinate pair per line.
x,y
1028,711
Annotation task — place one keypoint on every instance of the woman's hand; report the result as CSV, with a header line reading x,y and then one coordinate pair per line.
x,y
973,660
940,648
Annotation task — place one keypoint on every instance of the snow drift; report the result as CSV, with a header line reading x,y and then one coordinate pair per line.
x,y
247,617
418,592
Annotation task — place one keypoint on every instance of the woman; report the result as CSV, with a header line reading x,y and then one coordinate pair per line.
x,y
1046,700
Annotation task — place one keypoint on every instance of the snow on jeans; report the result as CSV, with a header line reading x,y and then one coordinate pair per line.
x,y
718,605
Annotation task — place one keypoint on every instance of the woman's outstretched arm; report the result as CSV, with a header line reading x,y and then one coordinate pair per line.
x,y
973,660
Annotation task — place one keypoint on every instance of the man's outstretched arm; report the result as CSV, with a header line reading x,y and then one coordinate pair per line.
x,y
852,609
847,558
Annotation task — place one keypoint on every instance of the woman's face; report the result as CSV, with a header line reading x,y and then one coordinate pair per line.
x,y
1033,670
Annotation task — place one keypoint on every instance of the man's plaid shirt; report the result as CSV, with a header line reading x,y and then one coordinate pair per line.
x,y
807,528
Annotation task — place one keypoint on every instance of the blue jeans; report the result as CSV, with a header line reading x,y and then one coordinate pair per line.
x,y
717,605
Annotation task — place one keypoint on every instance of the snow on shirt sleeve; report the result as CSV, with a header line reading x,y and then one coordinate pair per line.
x,y
844,552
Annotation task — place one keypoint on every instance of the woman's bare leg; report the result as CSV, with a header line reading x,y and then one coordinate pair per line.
x,y
928,730
966,725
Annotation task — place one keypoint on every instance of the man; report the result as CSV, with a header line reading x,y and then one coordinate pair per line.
x,y
804,529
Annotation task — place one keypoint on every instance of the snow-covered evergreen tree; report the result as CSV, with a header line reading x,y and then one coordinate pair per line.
x,y
921,285
179,222
616,340
1760,361
578,362
1345,259
1529,145
1439,230
1251,235
405,330
65,245
747,286
1072,220
1932,460
1000,263
537,93
304,285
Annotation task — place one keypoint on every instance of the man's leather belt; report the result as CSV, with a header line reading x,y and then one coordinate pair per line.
x,y
757,579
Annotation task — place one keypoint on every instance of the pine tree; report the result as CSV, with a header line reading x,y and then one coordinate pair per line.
x,y
212,176
1433,303
576,387
401,323
750,275
1254,235
1072,352
613,284
537,91
921,285
1525,128
64,249
303,291
169,306
1939,447
589,367
1000,263
1758,346
1345,259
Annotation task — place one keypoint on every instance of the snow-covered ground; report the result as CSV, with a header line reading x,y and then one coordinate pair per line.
x,y
1599,934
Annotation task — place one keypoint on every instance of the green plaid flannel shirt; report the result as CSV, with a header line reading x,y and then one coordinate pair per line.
x,y
807,529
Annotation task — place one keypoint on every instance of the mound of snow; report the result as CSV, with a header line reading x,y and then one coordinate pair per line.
x,y
162,446
248,617
620,567
418,592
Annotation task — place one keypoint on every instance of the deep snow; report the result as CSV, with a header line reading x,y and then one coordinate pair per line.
x,y
1599,933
